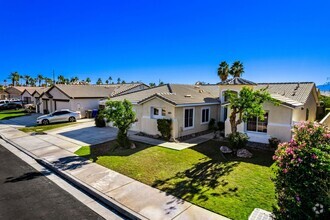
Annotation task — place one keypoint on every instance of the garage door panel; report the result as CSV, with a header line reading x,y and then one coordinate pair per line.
x,y
62,105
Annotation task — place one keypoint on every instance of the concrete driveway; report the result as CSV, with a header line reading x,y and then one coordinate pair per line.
x,y
85,133
23,121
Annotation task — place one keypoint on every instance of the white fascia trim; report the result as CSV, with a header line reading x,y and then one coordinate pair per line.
x,y
197,104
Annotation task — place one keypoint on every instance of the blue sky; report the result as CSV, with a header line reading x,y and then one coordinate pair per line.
x,y
172,41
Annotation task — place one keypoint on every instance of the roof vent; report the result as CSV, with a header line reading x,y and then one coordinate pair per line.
x,y
188,96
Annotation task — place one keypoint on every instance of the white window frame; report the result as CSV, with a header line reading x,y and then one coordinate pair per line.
x,y
205,122
184,118
160,110
257,132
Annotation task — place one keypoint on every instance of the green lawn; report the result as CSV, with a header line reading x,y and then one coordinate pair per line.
x,y
231,187
41,128
8,114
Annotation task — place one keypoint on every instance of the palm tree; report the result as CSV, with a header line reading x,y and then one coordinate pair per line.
x,y
99,81
5,82
237,69
223,70
40,78
48,81
76,79
152,84
32,81
60,79
88,80
118,81
14,77
66,81
107,82
123,82
20,78
27,78
110,79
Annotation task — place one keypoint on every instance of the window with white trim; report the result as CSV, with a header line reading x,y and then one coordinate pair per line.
x,y
188,118
205,115
158,112
255,124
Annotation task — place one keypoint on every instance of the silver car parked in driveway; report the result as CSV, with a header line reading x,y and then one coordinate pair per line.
x,y
59,116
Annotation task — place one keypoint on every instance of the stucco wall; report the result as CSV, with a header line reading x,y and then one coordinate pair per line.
x,y
26,94
300,113
279,124
57,94
82,105
178,126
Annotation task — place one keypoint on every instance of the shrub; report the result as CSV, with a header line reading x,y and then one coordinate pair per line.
x,y
99,120
221,125
302,179
165,128
274,142
238,140
212,124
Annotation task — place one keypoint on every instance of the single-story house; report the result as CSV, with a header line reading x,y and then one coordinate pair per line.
x,y
299,102
27,95
15,92
190,107
3,94
78,97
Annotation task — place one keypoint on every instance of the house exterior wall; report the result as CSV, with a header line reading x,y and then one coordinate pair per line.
x,y
82,105
279,124
25,95
198,126
299,114
57,94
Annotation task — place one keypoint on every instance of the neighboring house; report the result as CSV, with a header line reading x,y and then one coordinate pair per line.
x,y
15,92
3,94
189,106
27,95
36,97
299,102
119,89
80,97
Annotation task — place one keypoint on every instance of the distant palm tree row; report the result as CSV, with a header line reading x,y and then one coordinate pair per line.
x,y
26,80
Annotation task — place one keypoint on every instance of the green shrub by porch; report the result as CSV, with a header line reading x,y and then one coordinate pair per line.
x,y
164,126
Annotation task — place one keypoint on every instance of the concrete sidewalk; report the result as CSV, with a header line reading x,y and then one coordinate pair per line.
x,y
137,200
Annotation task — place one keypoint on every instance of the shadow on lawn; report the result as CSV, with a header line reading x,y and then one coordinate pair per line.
x,y
198,180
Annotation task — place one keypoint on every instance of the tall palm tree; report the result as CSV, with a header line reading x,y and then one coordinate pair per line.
x,y
60,79
118,81
14,77
110,79
5,82
20,79
237,69
66,81
32,81
27,78
107,82
48,81
40,78
223,70
99,81
88,80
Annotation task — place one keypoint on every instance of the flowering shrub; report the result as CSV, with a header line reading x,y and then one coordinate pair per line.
x,y
302,179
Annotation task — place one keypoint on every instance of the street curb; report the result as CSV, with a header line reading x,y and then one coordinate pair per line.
x,y
81,185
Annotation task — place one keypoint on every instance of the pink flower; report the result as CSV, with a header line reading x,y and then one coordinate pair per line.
x,y
299,160
314,156
285,170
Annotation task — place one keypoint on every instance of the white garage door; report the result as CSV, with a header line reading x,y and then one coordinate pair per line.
x,y
62,105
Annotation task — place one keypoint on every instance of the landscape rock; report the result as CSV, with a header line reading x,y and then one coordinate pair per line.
x,y
244,153
225,150
133,146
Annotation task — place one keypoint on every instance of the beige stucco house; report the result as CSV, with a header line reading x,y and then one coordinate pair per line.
x,y
190,107
299,102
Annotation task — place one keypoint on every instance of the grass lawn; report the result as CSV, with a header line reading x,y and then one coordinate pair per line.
x,y
41,128
231,187
8,114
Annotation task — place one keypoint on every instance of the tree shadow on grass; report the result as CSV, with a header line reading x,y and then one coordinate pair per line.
x,y
26,176
196,182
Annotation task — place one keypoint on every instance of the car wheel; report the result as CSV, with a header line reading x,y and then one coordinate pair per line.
x,y
72,119
45,122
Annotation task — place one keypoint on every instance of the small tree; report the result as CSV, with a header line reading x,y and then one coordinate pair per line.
x,y
302,179
122,116
247,104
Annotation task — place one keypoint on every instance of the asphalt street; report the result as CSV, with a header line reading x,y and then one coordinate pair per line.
x,y
26,193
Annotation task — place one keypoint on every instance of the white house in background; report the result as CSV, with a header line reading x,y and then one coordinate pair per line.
x,y
36,97
79,97
299,101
